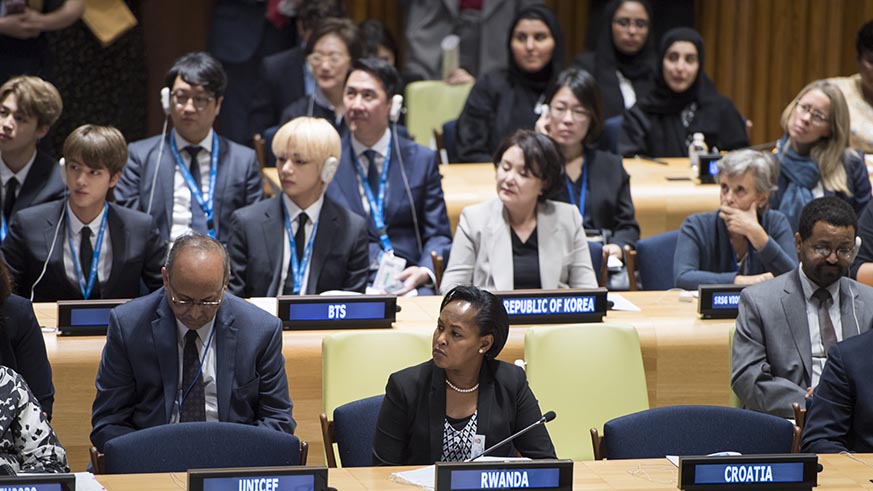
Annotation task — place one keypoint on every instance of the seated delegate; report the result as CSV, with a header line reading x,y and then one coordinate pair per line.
x,y
433,411
522,239
858,91
742,242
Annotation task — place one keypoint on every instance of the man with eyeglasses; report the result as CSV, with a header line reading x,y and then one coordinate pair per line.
x,y
191,352
786,326
191,179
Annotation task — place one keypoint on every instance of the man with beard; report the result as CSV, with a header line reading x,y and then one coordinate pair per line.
x,y
787,325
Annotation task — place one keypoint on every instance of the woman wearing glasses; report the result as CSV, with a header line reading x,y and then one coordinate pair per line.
x,y
814,153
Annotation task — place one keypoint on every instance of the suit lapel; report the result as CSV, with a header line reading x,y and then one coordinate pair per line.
x,y
794,307
500,239
164,337
550,258
120,238
36,178
273,221
225,351
437,411
346,179
322,245
221,181
56,261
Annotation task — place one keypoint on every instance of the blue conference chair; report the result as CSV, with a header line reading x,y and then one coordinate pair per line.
x,y
693,430
653,258
352,429
450,137
183,446
611,133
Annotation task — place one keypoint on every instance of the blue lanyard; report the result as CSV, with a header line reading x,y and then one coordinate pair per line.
x,y
95,258
184,395
582,192
206,204
298,269
377,205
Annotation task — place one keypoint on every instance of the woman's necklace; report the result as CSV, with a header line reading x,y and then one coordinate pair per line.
x,y
462,391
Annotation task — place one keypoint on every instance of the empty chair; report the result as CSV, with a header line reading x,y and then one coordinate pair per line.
x,y
430,103
352,429
694,430
653,258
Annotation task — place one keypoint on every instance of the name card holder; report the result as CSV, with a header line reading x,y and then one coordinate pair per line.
x,y
786,472
719,301
707,171
554,306
299,478
44,482
85,317
546,475
304,312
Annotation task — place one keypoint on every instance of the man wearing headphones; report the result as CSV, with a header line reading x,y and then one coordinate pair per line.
x,y
392,182
85,247
787,325
300,242
191,179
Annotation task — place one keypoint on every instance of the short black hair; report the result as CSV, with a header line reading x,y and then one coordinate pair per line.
x,y
382,70
491,316
199,68
541,158
344,29
375,34
587,92
829,209
864,41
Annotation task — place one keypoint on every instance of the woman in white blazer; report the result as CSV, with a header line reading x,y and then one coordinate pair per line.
x,y
522,239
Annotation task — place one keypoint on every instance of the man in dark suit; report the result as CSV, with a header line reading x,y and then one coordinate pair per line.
x,y
787,325
191,352
328,242
182,196
84,247
28,108
414,211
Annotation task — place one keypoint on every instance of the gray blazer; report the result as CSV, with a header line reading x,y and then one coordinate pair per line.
x,y
482,248
772,353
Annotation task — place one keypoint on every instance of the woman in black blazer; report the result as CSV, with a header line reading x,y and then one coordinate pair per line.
x,y
462,401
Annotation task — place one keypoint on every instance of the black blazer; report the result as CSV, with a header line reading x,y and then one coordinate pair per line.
x,y
340,254
22,349
281,83
43,183
138,252
410,427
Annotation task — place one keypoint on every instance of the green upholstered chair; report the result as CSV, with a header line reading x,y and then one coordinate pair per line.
x,y
429,104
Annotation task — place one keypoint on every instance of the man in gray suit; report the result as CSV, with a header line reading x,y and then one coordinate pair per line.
x,y
787,325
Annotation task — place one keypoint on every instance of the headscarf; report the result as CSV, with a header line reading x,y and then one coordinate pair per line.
x,y
538,81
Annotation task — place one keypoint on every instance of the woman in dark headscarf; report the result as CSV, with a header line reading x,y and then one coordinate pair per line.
x,y
683,102
505,100
623,63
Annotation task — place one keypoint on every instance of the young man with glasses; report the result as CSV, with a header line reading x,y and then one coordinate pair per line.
x,y
787,325
191,179
191,352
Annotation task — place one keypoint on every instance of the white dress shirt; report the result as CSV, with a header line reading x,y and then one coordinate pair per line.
x,y
182,198
819,357
208,373
104,263
313,212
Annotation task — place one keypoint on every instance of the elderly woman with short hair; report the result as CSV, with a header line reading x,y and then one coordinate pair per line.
x,y
743,242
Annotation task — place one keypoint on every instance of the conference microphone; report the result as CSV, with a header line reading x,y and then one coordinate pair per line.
x,y
545,419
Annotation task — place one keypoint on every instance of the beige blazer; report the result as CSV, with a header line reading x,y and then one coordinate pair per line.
x,y
482,248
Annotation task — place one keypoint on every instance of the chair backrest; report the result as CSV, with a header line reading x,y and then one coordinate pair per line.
x,y
430,103
598,262
183,446
695,430
654,260
450,140
439,267
356,365
352,429
611,133
588,374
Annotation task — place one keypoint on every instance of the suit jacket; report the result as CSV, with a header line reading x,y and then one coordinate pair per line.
x,y
43,183
838,417
482,250
138,375
426,188
238,182
772,353
281,82
410,426
340,259
22,349
138,253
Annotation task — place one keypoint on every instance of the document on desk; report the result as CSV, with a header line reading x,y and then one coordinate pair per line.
x,y
621,303
424,477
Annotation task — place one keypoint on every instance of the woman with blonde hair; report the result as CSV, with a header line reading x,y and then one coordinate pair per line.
x,y
814,153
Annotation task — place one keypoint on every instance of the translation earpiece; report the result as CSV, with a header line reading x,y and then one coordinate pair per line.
x,y
396,107
165,99
63,165
857,247
331,164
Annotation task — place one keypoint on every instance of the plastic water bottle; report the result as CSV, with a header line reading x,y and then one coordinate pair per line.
x,y
697,147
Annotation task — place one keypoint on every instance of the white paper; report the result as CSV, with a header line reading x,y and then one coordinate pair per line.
x,y
85,481
621,303
424,477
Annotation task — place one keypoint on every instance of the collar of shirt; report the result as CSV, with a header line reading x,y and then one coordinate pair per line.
x,y
202,333
312,212
206,143
6,173
77,225
381,148
809,288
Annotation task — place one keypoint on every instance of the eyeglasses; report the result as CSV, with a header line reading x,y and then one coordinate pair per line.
x,y
200,102
188,304
579,114
842,253
332,59
816,116
626,22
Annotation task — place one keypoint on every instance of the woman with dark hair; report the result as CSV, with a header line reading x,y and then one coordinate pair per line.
x,y
683,102
462,401
858,91
522,239
623,62
505,100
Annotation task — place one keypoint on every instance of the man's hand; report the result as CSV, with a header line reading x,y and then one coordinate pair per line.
x,y
613,250
411,277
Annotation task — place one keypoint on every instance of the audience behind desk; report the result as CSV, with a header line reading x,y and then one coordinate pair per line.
x,y
858,91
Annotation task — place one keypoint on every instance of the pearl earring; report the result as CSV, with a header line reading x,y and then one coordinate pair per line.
x,y
481,351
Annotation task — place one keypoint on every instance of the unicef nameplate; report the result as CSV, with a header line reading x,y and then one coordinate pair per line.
x,y
259,479
85,317
791,472
554,306
336,312
719,301
46,482
479,476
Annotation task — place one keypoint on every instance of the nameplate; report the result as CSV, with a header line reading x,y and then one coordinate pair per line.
x,y
533,474
708,168
85,317
793,472
46,482
719,301
259,479
301,312
554,306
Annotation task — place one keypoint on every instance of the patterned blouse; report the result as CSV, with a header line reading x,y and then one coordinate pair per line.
x,y
27,441
458,441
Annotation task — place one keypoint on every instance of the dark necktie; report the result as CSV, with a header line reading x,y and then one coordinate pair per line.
x,y
198,216
372,171
300,246
9,198
86,255
825,325
194,406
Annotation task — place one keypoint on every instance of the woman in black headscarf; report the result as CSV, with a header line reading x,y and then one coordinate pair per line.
x,y
505,100
623,63
683,102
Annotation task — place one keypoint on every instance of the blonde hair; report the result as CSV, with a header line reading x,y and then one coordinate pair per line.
x,y
36,98
828,152
312,138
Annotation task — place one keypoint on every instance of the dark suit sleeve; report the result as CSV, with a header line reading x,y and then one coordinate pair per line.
x,y
865,232
156,252
829,420
535,444
254,181
263,113
237,250
29,348
116,389
626,230
859,181
393,426
127,190
779,254
14,249
274,403
359,261
475,140
435,225
633,139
